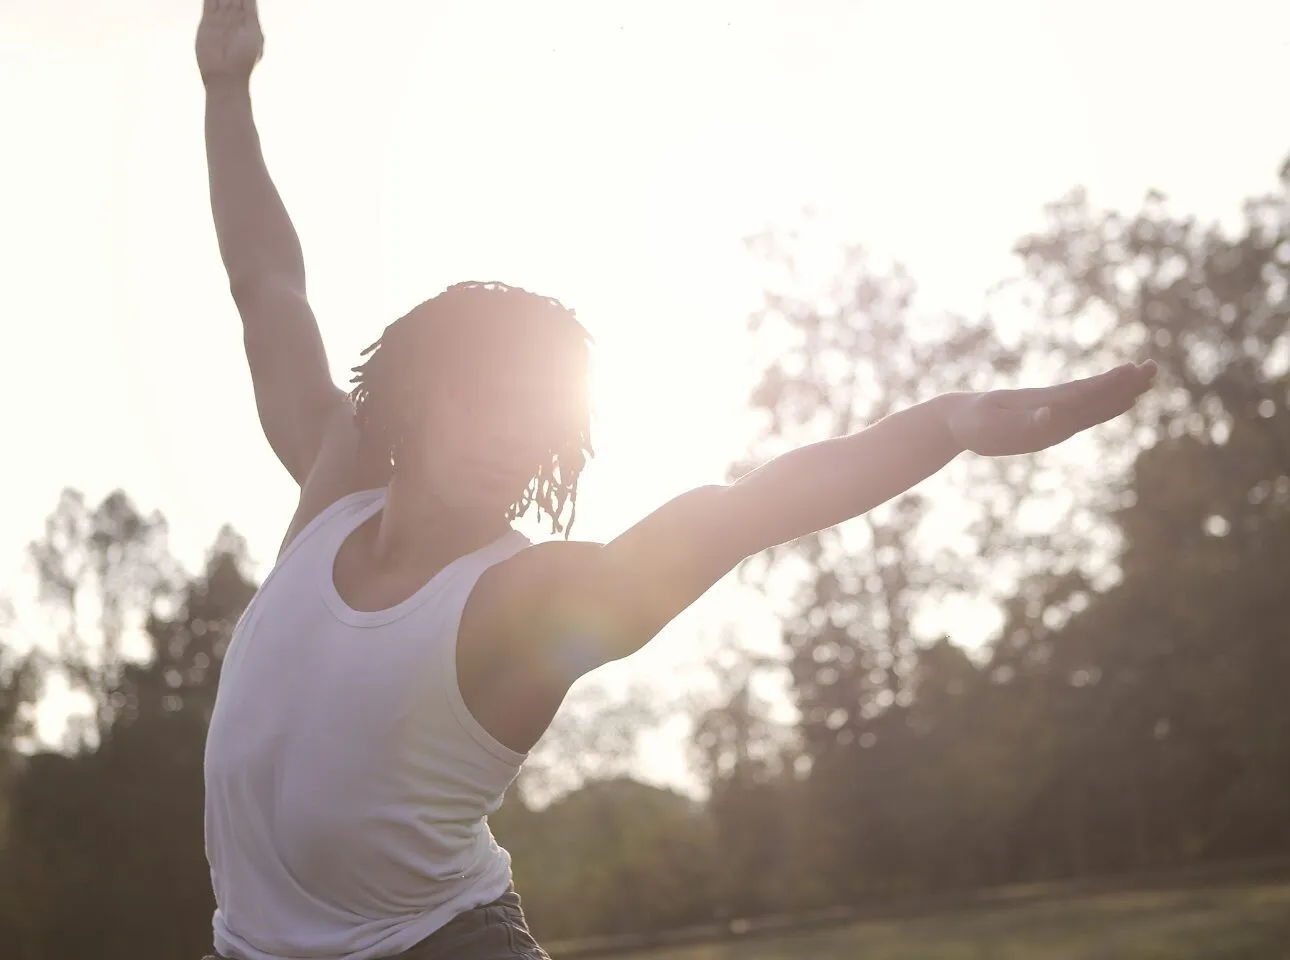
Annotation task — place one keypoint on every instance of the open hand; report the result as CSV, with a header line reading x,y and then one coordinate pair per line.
x,y
229,41
1003,423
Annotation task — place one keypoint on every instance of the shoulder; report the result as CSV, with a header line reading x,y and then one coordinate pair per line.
x,y
523,590
338,472
525,612
584,604
516,658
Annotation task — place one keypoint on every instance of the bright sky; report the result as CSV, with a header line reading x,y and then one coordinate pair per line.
x,y
611,153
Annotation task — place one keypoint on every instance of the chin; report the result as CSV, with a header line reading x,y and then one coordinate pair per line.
x,y
487,505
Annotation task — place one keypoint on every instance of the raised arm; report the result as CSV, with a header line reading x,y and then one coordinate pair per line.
x,y
598,603
294,392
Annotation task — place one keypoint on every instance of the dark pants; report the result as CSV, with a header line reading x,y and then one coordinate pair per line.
x,y
495,931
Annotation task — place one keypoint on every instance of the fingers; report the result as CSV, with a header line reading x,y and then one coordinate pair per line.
x,y
1019,421
230,11
1090,409
1127,376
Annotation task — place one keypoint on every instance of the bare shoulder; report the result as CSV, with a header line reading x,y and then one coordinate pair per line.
x,y
582,604
537,622
336,473
559,610
523,613
525,598
515,661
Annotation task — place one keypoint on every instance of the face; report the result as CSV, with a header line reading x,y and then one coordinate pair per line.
x,y
484,436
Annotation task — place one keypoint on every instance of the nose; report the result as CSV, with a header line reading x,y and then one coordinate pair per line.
x,y
505,439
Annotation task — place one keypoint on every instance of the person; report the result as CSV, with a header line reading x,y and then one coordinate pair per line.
x,y
409,647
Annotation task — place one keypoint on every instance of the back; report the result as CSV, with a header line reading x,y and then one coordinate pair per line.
x,y
347,785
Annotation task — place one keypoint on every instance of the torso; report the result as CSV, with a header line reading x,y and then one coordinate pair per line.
x,y
506,682
346,776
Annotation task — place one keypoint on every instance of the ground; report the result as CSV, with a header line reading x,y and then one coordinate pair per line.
x,y
1250,922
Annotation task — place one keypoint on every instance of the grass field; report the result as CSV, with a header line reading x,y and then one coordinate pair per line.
x,y
1249,922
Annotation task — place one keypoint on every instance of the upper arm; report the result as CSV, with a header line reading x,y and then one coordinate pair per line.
x,y
295,397
592,603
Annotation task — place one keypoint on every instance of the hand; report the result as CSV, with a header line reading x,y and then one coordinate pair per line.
x,y
229,41
1004,423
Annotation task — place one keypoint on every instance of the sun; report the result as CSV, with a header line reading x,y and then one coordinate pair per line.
x,y
665,419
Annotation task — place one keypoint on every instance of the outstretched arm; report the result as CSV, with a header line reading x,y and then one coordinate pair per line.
x,y
598,603
294,393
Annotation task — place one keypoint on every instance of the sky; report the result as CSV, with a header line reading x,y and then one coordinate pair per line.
x,y
611,153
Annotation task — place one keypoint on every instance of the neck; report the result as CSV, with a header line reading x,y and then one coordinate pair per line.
x,y
416,526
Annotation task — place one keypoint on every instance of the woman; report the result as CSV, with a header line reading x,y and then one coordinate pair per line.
x,y
408,647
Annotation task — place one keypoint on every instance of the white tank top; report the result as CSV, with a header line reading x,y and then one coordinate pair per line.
x,y
347,785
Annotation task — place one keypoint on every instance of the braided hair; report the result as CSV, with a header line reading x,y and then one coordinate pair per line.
x,y
468,322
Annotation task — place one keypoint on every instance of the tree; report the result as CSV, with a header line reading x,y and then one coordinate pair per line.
x,y
1126,713
20,681
856,623
1161,689
614,856
747,758
594,737
109,858
99,571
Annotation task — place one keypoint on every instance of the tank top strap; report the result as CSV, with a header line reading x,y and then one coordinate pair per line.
x,y
452,605
475,565
321,541
326,532
453,587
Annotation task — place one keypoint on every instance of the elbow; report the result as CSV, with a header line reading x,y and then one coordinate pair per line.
x,y
242,287
271,309
257,285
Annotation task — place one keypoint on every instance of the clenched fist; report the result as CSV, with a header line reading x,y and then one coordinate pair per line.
x,y
229,40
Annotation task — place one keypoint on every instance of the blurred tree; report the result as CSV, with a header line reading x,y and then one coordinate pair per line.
x,y
99,571
1165,694
20,686
612,857
595,736
746,757
108,847
855,627
1127,715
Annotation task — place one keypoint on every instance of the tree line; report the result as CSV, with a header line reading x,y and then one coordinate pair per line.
x,y
1126,712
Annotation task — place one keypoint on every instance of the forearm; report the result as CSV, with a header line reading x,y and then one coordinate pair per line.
x,y
257,241
826,483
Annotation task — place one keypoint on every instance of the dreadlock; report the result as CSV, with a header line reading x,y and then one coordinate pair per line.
x,y
465,318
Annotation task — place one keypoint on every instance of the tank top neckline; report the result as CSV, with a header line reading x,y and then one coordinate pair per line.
x,y
326,572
